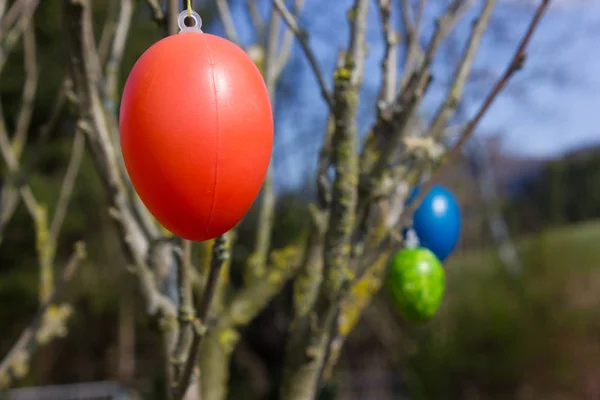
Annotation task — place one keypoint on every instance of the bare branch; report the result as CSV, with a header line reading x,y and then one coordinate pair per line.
x,y
412,32
29,91
86,75
348,79
68,183
309,345
515,64
108,30
288,41
462,73
2,7
18,9
186,308
227,19
172,27
238,312
9,195
274,63
219,257
12,163
388,64
302,36
116,54
353,304
42,329
325,159
384,141
257,21
420,12
257,262
157,12
444,26
9,36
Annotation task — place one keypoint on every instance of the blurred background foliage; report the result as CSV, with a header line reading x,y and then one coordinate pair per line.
x,y
495,338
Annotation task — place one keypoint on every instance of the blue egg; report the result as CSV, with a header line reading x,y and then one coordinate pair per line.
x,y
437,221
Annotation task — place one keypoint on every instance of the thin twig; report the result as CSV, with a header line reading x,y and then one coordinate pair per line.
x,y
257,21
9,36
28,340
515,64
108,30
266,213
462,73
116,54
444,26
86,74
29,91
412,46
157,13
302,370
388,64
171,26
227,20
2,7
17,9
287,42
303,39
9,195
398,120
220,255
68,183
186,308
274,63
12,163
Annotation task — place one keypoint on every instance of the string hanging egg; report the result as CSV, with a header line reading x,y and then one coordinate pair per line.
x,y
196,131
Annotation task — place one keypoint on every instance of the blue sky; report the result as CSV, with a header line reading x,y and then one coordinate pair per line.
x,y
549,108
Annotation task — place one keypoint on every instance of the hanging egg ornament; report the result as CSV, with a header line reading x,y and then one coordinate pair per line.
x,y
437,221
196,129
416,283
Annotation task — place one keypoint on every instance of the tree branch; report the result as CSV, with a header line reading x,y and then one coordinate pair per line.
x,y
306,352
29,91
9,195
375,258
238,312
23,10
227,20
266,213
386,141
273,67
388,64
157,13
412,35
287,42
186,308
516,63
219,257
48,323
257,21
86,74
302,36
116,54
445,111
68,183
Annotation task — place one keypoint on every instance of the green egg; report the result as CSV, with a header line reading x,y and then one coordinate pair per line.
x,y
416,283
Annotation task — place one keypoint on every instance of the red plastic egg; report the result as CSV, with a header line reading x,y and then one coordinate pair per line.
x,y
196,133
